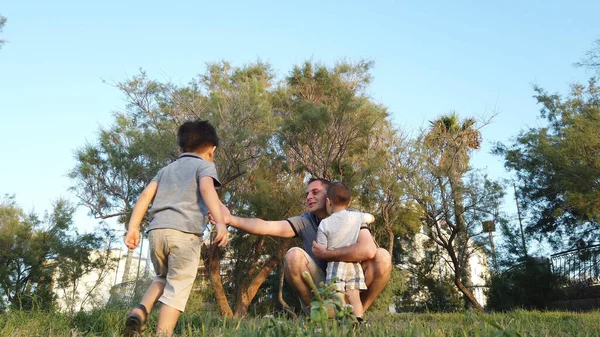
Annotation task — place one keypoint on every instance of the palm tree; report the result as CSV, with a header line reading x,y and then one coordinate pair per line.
x,y
451,144
454,142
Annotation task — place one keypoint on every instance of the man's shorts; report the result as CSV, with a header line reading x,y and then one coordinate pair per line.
x,y
318,275
349,275
175,256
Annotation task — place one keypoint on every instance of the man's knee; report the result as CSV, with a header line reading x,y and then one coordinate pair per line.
x,y
383,258
295,262
381,264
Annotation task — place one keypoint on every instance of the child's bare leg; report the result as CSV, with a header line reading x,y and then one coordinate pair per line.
x,y
354,300
340,295
152,295
167,318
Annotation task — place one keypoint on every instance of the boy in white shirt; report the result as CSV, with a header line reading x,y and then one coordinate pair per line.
x,y
338,230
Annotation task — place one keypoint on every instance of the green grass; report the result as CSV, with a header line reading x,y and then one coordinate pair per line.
x,y
110,323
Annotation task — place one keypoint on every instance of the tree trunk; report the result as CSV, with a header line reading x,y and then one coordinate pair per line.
x,y
385,213
213,265
125,277
246,295
466,292
283,303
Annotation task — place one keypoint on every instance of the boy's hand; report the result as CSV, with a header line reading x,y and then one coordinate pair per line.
x,y
319,251
222,235
132,239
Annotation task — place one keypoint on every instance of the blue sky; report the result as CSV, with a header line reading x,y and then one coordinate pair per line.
x,y
430,58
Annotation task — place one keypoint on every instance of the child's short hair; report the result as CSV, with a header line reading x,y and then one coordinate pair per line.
x,y
195,136
339,194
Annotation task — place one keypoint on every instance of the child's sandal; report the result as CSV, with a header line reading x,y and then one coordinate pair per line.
x,y
134,324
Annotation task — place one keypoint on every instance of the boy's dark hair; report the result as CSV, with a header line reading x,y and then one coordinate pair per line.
x,y
195,136
321,180
339,194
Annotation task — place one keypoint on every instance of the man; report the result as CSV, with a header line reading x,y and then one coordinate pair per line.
x,y
376,262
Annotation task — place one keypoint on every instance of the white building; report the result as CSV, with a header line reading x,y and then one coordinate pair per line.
x,y
93,289
478,267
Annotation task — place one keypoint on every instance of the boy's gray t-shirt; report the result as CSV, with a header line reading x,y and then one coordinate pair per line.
x,y
178,203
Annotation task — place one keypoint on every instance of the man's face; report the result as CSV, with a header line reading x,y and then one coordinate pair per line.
x,y
316,195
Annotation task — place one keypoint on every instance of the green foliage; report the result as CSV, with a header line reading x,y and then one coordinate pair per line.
x,y
197,323
326,300
591,60
392,293
33,253
428,293
530,285
328,119
558,165
2,23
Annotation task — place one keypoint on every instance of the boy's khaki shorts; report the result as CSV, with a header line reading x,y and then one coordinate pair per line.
x,y
175,256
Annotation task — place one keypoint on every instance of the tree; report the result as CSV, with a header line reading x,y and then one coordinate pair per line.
x,y
558,165
592,58
328,120
2,23
452,204
22,259
81,255
31,250
384,189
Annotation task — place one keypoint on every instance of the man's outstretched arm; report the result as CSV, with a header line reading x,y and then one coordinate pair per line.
x,y
257,226
364,249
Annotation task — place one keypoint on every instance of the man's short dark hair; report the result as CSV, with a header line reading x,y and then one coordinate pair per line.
x,y
196,135
339,194
321,180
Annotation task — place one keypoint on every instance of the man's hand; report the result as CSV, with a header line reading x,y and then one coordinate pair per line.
x,y
222,235
226,215
132,239
320,251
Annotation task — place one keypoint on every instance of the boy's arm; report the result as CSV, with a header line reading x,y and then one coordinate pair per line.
x,y
132,238
364,249
367,218
211,199
281,228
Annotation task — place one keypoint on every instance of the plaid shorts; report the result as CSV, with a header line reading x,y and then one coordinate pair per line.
x,y
349,275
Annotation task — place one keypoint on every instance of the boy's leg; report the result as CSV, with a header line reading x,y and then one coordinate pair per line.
x,y
377,275
183,260
156,288
354,300
150,298
167,319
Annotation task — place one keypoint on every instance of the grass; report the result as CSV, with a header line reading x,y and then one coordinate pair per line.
x,y
110,323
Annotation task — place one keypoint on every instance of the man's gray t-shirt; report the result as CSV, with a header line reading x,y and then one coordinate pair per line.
x,y
305,226
178,203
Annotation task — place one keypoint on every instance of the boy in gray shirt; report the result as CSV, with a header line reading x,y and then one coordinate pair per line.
x,y
338,230
181,195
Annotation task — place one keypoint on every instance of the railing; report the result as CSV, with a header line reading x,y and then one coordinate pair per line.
x,y
580,266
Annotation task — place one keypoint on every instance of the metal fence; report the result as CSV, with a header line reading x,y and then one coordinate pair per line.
x,y
580,266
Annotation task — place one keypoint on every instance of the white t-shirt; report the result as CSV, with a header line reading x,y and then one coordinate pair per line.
x,y
341,229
